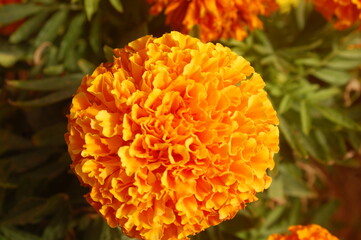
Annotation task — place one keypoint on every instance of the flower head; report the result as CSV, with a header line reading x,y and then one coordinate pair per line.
x,y
10,28
346,12
215,18
172,137
308,232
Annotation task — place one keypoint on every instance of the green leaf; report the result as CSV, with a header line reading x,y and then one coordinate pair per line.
x,y
350,54
288,133
12,233
233,226
337,146
6,185
297,50
57,228
332,76
276,189
73,33
10,54
262,37
195,31
108,52
49,171
32,210
295,212
295,186
73,56
27,160
338,118
95,35
344,63
50,136
300,14
285,104
11,141
29,27
91,6
305,118
117,4
355,139
28,211
323,95
13,12
313,62
46,100
108,233
263,50
273,216
304,89
322,141
324,213
313,149
51,29
54,69
86,66
47,84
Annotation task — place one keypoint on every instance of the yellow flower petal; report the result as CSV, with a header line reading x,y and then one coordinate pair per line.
x,y
172,137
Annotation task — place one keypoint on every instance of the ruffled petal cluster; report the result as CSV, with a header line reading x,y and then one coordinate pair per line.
x,y
10,28
172,137
308,232
346,13
216,18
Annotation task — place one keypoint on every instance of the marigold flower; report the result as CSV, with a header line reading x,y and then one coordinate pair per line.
x,y
172,137
308,232
285,5
345,12
215,18
10,28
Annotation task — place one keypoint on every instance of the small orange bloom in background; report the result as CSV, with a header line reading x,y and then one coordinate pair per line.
x,y
285,5
9,29
215,18
346,13
308,232
172,137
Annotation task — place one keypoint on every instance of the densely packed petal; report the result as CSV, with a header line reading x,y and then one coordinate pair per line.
x,y
174,136
307,232
215,18
346,13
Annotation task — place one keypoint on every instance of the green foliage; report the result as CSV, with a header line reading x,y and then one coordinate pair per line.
x,y
308,68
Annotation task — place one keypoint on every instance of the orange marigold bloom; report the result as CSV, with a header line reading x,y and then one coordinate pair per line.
x,y
215,18
345,12
308,232
9,29
172,137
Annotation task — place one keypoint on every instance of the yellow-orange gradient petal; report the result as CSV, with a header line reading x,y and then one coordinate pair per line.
x,y
216,18
345,13
307,232
172,137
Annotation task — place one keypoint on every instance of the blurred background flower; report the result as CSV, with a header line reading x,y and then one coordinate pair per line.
x,y
215,19
285,5
344,13
300,232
